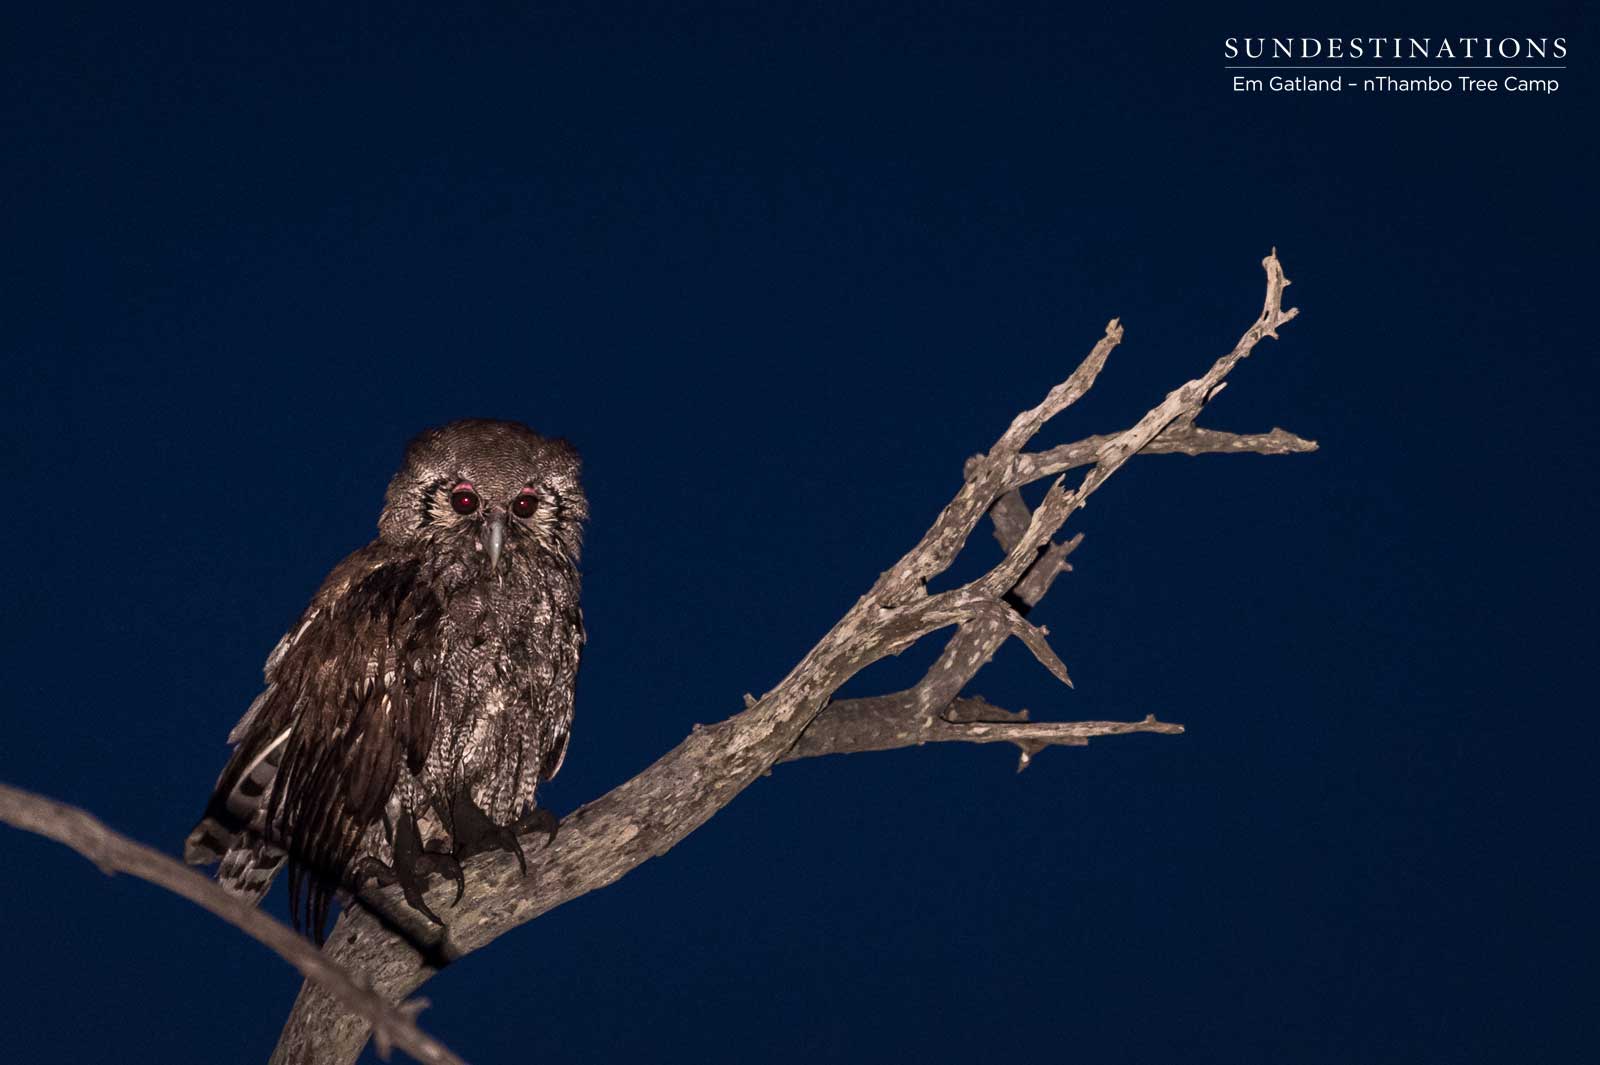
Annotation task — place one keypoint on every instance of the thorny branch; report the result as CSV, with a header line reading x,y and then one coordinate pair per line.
x,y
392,1024
649,814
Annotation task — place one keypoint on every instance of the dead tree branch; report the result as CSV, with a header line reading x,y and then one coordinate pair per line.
x,y
392,1024
646,816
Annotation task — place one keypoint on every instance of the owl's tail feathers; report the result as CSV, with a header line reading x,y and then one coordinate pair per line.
x,y
231,830
248,864
209,842
248,871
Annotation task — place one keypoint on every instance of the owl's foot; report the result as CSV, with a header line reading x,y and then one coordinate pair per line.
x,y
413,864
474,832
538,819
370,868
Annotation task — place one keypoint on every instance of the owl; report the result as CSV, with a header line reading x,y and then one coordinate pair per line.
x,y
411,712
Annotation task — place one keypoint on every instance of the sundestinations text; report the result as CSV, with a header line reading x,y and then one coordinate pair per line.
x,y
1391,48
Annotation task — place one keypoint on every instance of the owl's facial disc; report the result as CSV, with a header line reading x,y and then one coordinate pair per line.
x,y
485,493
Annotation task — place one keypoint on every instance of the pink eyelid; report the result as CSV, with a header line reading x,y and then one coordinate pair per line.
x,y
464,486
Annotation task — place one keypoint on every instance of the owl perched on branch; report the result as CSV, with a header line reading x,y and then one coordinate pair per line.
x,y
411,712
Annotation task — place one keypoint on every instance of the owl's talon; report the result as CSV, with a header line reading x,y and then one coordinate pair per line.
x,y
411,867
538,819
371,868
474,832
443,864
413,894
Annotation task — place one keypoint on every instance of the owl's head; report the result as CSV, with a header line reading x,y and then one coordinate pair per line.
x,y
486,489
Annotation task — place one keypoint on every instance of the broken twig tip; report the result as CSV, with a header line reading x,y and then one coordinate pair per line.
x,y
1027,751
413,1007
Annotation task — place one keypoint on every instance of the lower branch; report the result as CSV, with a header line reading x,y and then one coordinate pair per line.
x,y
113,853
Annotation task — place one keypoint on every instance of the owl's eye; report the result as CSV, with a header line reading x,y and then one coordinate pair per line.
x,y
523,506
464,499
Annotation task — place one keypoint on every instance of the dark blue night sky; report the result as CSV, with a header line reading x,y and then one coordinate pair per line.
x,y
777,273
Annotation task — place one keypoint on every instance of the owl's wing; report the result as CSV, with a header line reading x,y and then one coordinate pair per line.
x,y
349,702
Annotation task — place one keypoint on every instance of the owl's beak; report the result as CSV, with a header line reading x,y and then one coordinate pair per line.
x,y
494,537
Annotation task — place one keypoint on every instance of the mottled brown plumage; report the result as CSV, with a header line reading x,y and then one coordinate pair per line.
x,y
411,712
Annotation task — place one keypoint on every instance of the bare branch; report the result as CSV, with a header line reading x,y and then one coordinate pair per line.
x,y
648,815
1031,636
882,723
1177,439
392,1025
941,543
1046,733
